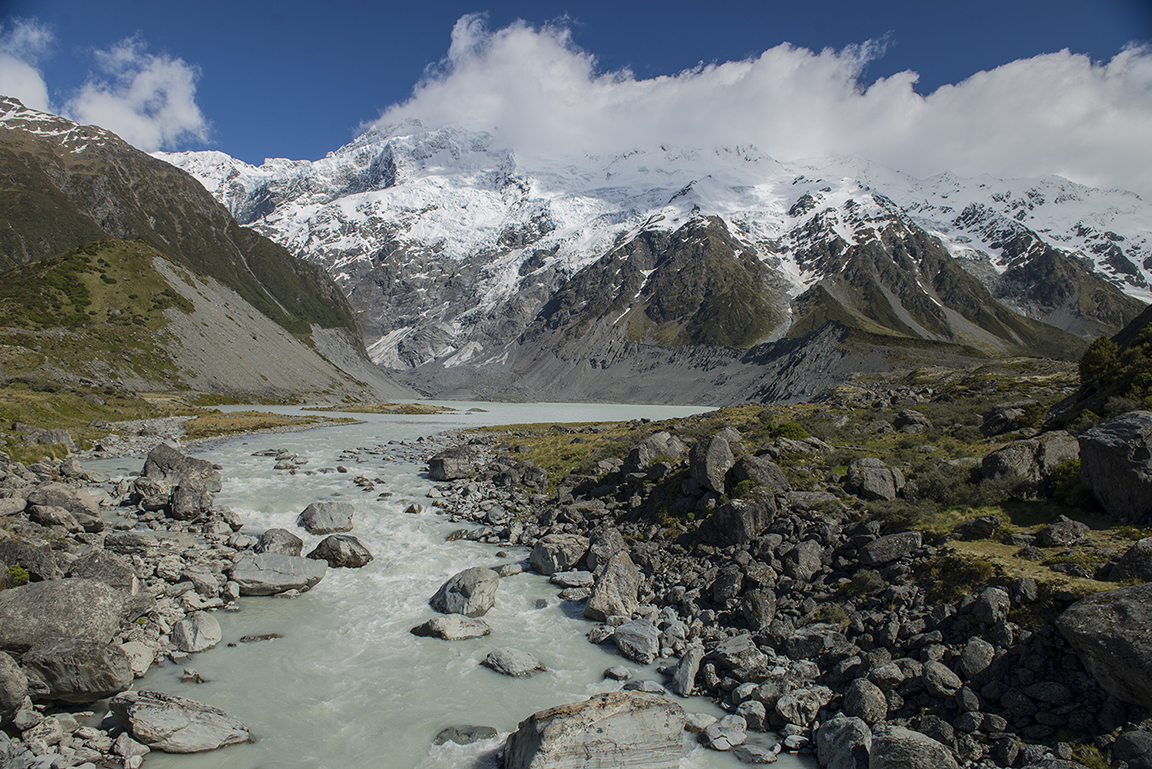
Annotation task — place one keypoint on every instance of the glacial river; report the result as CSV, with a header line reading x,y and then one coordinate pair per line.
x,y
347,686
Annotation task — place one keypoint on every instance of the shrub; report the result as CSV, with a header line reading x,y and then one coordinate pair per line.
x,y
791,430
864,582
15,577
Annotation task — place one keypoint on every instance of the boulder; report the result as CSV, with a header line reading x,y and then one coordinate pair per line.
x,y
557,552
801,706
604,732
911,421
1061,533
111,569
326,517
843,743
894,747
869,478
1031,463
866,701
616,590
452,627
1136,563
453,464
983,527
76,670
464,735
761,471
197,632
513,662
647,451
810,641
80,504
63,608
884,550
1116,463
976,657
1109,631
176,724
684,674
939,680
604,543
13,689
1134,747
167,470
471,592
709,461
726,733
758,607
38,560
270,573
341,551
1006,417
140,657
279,541
742,520
638,640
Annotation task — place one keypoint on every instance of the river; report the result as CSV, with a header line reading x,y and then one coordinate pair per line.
x,y
347,686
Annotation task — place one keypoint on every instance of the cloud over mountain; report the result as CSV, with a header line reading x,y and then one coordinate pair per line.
x,y
1055,113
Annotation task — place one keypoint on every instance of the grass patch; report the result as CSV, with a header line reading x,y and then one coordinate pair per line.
x,y
386,408
217,423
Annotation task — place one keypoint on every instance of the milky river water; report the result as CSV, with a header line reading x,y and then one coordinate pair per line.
x,y
347,686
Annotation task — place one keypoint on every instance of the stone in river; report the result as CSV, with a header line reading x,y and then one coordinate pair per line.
x,y
196,632
607,731
176,724
471,592
270,573
513,662
341,551
464,735
326,517
452,627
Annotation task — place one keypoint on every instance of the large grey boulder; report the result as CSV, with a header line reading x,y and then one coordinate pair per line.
x,y
761,471
742,520
176,724
866,701
1116,463
684,675
1031,463
884,550
616,590
180,484
894,747
801,706
603,543
39,560
80,504
270,573
1006,417
326,517
107,567
453,464
726,733
709,461
280,541
341,551
1134,747
657,445
557,552
1109,631
471,592
197,632
911,421
843,743
607,731
63,608
513,662
76,670
638,640
869,478
1136,563
13,688
758,607
452,627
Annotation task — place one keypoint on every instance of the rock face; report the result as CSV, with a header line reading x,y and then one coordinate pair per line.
x,y
269,573
341,551
64,608
326,517
1116,463
176,725
605,732
894,747
1110,633
76,670
471,592
1031,463
615,591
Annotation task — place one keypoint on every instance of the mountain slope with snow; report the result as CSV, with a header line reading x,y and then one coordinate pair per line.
x,y
451,250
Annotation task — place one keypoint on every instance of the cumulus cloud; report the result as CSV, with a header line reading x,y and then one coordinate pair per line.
x,y
148,100
1055,113
22,43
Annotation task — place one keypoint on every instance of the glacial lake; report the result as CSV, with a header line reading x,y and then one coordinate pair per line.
x,y
347,686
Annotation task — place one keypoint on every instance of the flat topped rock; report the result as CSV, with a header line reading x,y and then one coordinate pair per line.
x,y
326,517
176,724
452,627
271,573
62,608
513,662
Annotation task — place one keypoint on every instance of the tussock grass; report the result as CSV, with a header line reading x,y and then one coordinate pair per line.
x,y
386,408
217,423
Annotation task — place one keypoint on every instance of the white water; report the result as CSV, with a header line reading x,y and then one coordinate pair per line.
x,y
348,686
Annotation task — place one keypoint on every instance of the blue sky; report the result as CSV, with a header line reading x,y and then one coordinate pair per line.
x,y
289,79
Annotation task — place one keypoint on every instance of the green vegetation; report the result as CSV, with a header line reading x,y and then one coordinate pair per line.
x,y
217,423
15,576
386,408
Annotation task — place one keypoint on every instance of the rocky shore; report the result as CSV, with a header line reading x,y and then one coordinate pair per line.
x,y
102,579
821,629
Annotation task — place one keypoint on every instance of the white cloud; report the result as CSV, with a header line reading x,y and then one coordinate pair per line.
x,y
1056,113
148,100
22,43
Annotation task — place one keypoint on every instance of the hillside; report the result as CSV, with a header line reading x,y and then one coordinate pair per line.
x,y
117,265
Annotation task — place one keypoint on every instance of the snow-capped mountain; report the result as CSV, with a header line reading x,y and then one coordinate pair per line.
x,y
451,249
